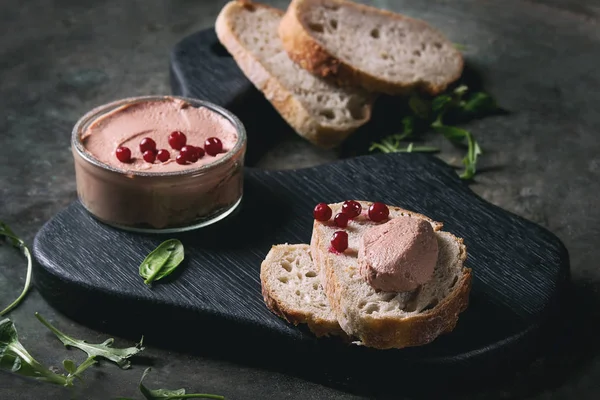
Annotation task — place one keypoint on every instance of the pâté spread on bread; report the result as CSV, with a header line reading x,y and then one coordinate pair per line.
x,y
392,278
159,163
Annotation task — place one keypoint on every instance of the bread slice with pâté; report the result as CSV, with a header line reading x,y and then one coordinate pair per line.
x,y
387,320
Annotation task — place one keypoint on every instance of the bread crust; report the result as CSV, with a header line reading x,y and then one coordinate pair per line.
x,y
284,101
390,332
310,54
319,326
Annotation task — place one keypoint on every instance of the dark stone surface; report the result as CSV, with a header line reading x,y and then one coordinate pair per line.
x,y
58,59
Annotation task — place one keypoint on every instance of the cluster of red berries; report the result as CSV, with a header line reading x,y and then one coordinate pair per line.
x,y
178,141
350,209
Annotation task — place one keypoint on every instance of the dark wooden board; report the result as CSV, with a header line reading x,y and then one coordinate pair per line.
x,y
90,271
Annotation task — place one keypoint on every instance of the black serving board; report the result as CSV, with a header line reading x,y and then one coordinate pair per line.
x,y
89,270
213,304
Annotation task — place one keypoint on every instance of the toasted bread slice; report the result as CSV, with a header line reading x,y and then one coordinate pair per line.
x,y
291,289
317,110
386,320
364,46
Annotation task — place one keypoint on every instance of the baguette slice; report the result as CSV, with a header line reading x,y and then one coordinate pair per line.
x,y
386,320
319,111
292,290
368,47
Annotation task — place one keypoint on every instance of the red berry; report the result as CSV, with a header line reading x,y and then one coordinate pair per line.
x,y
351,208
200,151
322,212
163,155
341,220
177,140
378,212
339,241
149,156
190,153
213,146
181,159
123,154
147,144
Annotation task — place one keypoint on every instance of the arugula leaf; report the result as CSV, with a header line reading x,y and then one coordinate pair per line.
x,y
162,261
458,135
16,242
14,358
457,103
165,394
470,160
480,103
439,103
408,126
104,350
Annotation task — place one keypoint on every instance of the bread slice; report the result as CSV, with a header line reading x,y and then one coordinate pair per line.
x,y
364,46
319,111
386,320
291,289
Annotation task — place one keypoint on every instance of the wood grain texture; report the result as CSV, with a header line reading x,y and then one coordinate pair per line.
x,y
90,271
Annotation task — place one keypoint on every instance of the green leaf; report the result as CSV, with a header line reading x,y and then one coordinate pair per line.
x,y
480,103
419,106
459,135
408,127
162,261
16,242
411,148
165,394
91,360
460,47
459,91
452,133
104,350
10,235
470,160
439,103
69,366
14,358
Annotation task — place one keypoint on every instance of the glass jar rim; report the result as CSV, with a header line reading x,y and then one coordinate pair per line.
x,y
101,110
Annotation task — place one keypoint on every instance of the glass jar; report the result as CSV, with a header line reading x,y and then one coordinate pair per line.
x,y
148,201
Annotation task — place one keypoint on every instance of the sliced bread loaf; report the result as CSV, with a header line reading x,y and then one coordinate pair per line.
x,y
365,46
388,319
319,111
292,290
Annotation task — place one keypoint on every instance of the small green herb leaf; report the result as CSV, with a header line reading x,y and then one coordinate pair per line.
x,y
460,47
408,126
16,242
165,394
439,104
458,135
91,360
480,103
104,350
457,104
452,133
411,148
14,358
162,261
69,366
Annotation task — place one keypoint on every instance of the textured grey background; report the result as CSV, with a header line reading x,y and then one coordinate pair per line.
x,y
539,58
